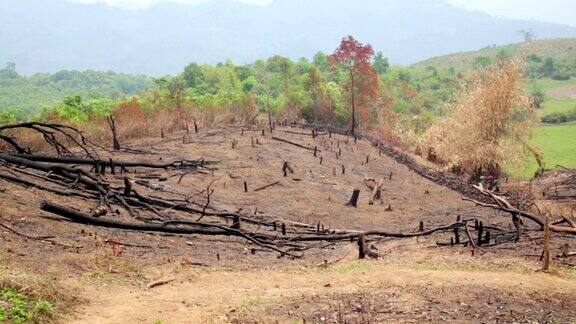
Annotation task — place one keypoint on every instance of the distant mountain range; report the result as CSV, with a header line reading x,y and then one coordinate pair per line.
x,y
49,35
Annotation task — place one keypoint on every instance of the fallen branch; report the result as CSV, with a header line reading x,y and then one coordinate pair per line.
x,y
292,143
179,164
166,227
158,283
267,186
39,238
43,239
503,205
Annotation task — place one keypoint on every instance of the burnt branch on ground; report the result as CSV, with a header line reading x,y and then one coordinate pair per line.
x,y
84,177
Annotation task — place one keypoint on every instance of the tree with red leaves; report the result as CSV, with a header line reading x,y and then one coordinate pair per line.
x,y
363,85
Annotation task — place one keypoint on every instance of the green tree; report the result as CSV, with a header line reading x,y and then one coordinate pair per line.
x,y
482,61
381,63
9,72
321,61
193,75
549,67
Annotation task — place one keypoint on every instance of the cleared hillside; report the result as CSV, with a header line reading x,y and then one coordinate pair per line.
x,y
127,276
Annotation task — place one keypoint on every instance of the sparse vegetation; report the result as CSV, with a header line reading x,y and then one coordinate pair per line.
x,y
26,298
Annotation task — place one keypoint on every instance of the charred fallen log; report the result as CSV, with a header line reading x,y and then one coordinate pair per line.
x,y
292,143
179,164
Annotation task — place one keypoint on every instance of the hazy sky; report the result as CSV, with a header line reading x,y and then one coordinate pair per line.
x,y
560,11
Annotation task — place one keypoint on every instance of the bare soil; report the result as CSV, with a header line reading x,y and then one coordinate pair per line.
x,y
226,279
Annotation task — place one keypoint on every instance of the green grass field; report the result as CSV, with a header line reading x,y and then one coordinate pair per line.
x,y
557,142
558,146
546,84
550,106
553,105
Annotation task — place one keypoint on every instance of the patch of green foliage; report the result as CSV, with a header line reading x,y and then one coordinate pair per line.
x,y
76,109
420,94
21,308
547,83
560,117
24,96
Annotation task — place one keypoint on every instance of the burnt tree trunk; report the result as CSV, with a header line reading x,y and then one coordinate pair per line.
x,y
354,200
112,124
362,246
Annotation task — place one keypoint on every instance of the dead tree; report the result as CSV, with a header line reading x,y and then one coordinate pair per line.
x,y
112,124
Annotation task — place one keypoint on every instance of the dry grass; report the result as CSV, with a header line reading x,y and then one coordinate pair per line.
x,y
489,123
134,120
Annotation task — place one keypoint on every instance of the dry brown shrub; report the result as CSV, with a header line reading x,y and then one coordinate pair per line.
x,y
387,120
291,112
168,120
488,125
131,120
27,138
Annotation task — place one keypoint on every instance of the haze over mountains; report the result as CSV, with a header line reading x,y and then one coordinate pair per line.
x,y
49,35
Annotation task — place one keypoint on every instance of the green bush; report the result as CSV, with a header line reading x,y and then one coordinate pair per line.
x,y
561,76
537,96
21,309
560,117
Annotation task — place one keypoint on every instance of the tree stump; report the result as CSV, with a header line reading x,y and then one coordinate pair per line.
x,y
236,222
354,200
127,186
362,246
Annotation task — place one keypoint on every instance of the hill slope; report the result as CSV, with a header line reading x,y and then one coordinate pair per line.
x,y
559,48
49,35
29,94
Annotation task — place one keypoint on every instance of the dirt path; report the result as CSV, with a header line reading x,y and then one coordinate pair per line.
x,y
565,92
353,290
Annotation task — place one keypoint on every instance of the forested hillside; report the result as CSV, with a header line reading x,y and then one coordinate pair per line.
x,y
26,96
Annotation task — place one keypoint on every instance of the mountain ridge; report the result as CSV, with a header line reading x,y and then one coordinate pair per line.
x,y
49,35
